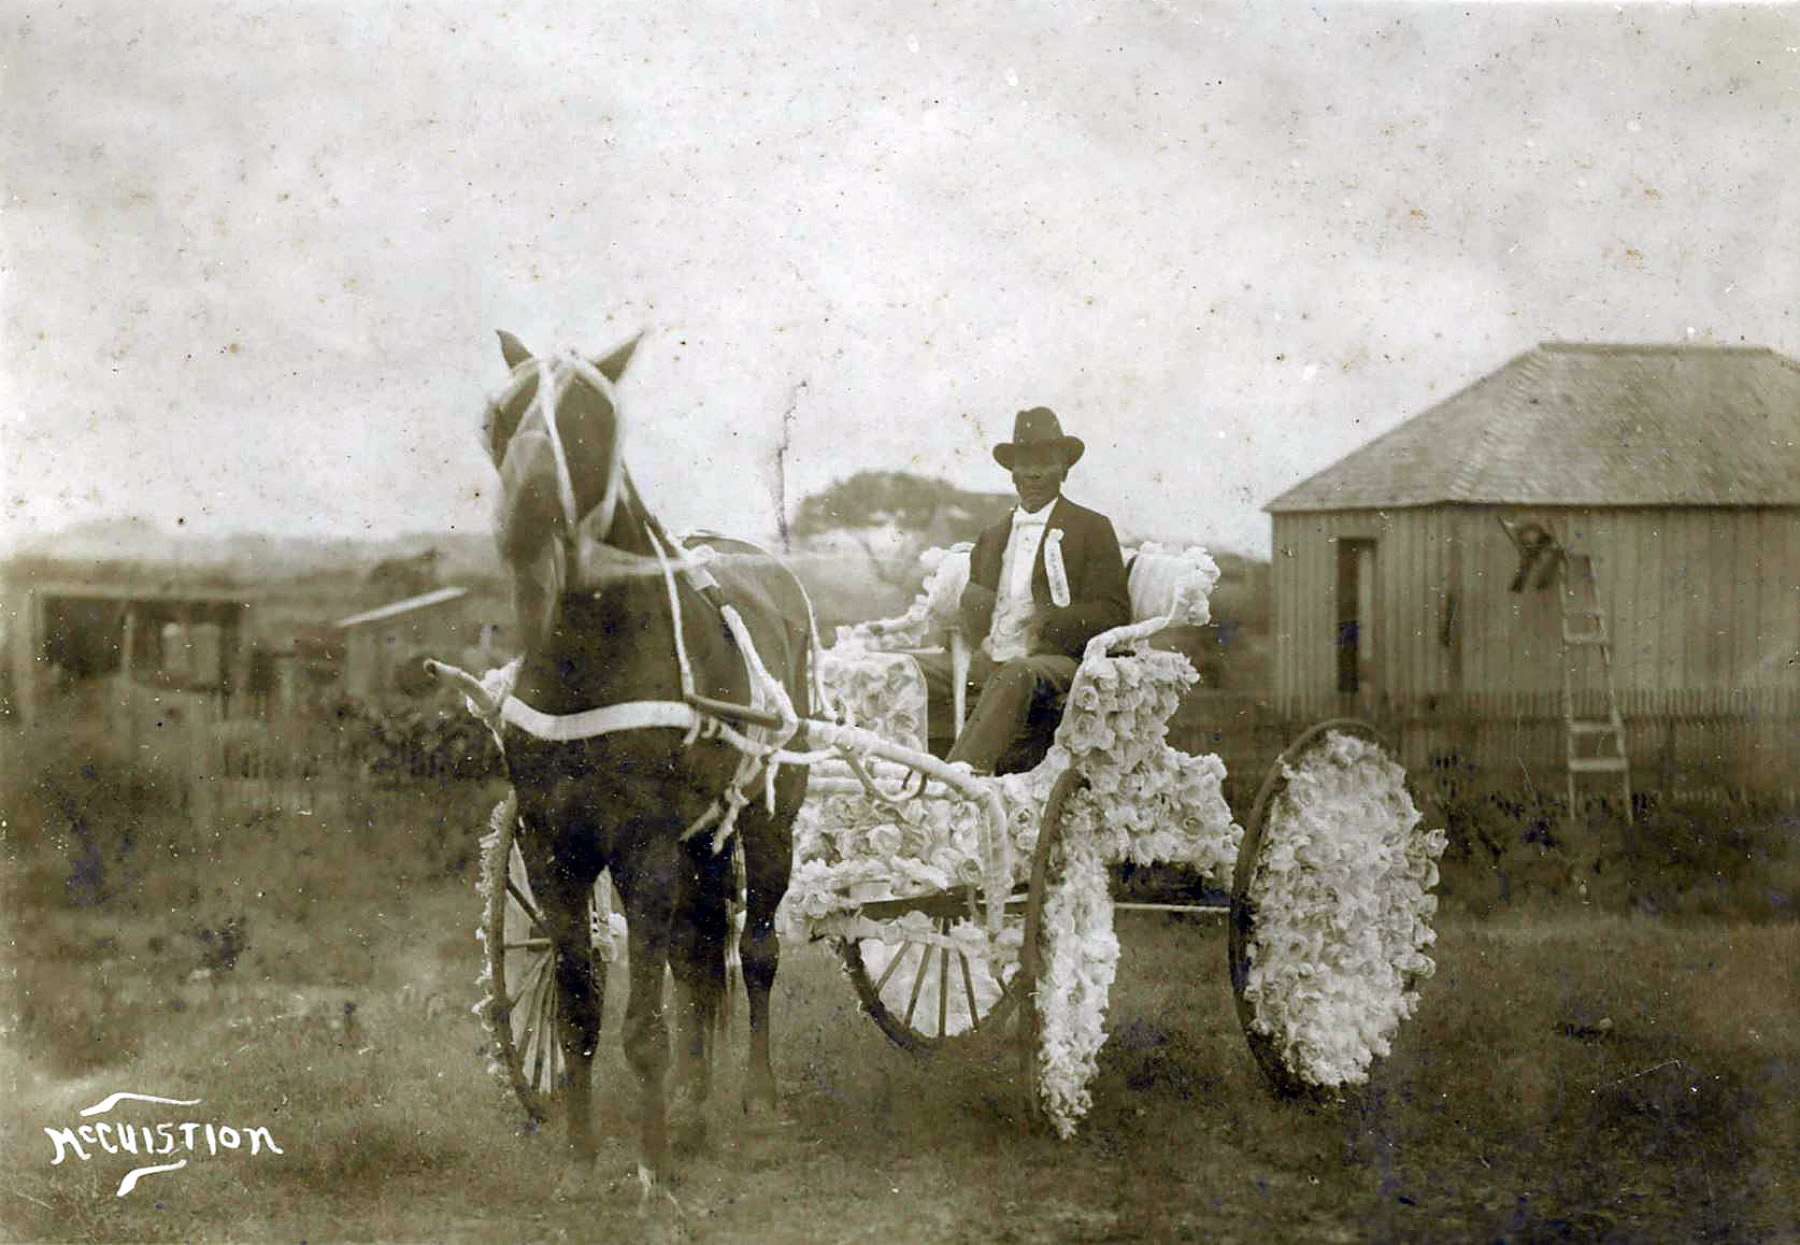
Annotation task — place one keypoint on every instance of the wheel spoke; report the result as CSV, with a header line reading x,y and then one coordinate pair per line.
x,y
893,964
525,1022
544,1025
943,983
912,1004
531,974
524,902
552,1033
969,989
556,1064
523,1029
534,1017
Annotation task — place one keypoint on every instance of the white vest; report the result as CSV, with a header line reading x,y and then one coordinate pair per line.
x,y
1009,635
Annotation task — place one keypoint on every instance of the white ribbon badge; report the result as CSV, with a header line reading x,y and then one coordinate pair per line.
x,y
1054,569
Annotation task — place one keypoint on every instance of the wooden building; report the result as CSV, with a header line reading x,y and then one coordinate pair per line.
x,y
451,624
1676,469
161,634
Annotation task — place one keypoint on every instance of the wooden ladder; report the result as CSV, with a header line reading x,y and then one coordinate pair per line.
x,y
1595,745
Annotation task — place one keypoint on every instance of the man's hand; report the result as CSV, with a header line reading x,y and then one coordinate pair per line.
x,y
977,607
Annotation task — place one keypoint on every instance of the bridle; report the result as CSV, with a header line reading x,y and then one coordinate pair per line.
x,y
555,377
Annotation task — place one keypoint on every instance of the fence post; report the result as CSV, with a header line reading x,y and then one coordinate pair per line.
x,y
1666,764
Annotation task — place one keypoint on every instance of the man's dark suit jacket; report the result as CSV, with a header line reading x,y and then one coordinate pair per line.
x,y
1098,596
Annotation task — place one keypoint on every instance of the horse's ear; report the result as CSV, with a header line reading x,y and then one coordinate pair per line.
x,y
612,363
512,349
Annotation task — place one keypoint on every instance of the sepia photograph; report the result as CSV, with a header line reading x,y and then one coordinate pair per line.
x,y
1013,621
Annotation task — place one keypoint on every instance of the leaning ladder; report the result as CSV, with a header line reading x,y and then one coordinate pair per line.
x,y
1595,745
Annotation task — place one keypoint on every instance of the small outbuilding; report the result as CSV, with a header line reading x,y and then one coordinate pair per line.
x,y
451,624
164,634
1429,579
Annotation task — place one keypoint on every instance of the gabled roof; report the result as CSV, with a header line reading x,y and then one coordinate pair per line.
x,y
1589,425
395,609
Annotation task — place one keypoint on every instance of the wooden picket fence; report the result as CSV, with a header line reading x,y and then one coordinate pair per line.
x,y
1697,744
1705,745
234,763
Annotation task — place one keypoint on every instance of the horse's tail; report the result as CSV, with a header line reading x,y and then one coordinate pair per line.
x,y
806,654
806,659
737,912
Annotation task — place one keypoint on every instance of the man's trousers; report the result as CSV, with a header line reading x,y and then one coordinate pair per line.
x,y
1009,693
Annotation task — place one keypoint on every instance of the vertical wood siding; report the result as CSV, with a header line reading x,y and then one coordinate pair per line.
x,y
1696,599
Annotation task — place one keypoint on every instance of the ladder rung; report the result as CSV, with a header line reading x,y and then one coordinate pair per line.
x,y
1593,728
1597,765
1584,637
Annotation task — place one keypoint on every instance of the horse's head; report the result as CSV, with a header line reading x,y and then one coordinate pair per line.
x,y
555,433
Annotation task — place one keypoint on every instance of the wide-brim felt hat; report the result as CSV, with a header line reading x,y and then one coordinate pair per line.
x,y
1038,426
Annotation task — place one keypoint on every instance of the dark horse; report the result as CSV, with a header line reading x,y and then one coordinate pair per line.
x,y
600,607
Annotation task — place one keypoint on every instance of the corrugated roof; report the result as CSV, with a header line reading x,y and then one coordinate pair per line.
x,y
1589,425
396,608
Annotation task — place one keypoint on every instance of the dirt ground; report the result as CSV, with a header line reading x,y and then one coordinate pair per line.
x,y
1507,1111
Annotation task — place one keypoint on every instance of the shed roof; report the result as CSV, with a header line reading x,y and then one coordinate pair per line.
x,y
160,592
394,609
1589,425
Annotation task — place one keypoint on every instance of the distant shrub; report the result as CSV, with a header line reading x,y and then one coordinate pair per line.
x,y
407,745
75,804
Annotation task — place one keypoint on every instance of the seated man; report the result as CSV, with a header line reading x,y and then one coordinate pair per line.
x,y
1042,583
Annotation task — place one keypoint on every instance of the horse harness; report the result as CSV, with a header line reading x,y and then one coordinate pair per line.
x,y
760,730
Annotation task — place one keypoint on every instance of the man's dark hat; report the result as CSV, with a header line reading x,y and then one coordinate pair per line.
x,y
1038,426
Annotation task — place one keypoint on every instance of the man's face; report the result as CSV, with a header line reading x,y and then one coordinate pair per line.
x,y
1037,474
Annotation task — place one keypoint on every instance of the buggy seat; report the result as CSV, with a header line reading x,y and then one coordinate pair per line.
x,y
871,669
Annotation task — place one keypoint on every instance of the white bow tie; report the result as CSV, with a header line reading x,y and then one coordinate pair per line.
x,y
1021,519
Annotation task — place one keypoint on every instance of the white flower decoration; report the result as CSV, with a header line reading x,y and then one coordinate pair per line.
x,y
1343,908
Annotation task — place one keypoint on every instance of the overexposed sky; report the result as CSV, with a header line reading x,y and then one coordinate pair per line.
x,y
252,255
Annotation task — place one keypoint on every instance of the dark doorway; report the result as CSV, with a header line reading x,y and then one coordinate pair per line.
x,y
1355,615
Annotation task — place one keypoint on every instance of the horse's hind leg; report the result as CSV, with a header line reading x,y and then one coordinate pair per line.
x,y
768,857
697,959
648,882
579,996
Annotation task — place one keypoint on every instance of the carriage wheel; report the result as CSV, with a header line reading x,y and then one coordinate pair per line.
x,y
1258,840
523,1014
926,996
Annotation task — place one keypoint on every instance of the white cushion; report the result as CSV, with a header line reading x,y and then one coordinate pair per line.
x,y
946,575
1165,580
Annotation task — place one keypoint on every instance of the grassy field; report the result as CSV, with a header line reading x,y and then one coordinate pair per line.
x,y
1571,1074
